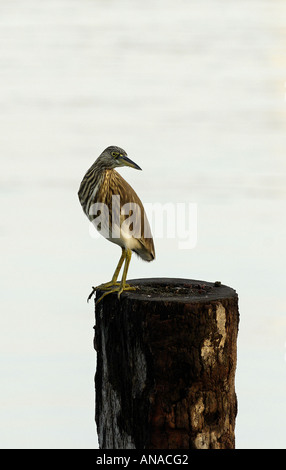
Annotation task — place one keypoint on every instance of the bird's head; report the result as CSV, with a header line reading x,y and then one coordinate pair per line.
x,y
113,157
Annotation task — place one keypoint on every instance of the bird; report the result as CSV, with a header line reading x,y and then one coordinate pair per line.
x,y
122,219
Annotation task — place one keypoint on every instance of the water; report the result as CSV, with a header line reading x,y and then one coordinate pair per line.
x,y
194,91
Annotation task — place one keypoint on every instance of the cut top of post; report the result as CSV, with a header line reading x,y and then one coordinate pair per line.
x,y
177,290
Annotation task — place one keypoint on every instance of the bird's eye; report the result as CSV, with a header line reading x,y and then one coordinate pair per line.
x,y
115,154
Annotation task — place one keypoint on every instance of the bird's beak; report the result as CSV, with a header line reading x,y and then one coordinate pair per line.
x,y
125,161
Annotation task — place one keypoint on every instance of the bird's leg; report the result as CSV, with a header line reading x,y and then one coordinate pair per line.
x,y
108,285
123,286
118,267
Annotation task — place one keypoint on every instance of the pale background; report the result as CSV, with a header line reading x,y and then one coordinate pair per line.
x,y
194,91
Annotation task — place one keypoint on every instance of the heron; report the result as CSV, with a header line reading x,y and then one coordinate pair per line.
x,y
122,219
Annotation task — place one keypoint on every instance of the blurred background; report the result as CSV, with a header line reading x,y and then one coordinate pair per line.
x,y
194,91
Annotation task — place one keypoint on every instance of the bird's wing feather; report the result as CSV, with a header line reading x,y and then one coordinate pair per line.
x,y
117,186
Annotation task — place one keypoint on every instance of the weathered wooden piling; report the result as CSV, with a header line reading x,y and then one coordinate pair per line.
x,y
166,360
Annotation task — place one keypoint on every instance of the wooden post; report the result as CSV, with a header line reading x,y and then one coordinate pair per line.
x,y
166,360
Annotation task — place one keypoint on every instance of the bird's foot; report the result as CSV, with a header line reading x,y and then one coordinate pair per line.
x,y
104,286
119,289
109,287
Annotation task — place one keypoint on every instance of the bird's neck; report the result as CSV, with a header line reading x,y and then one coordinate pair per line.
x,y
99,177
97,172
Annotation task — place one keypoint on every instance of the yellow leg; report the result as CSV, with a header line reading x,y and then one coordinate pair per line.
x,y
108,285
118,267
125,270
123,286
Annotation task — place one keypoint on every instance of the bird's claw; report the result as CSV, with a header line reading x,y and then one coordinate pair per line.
x,y
91,294
110,287
104,286
117,289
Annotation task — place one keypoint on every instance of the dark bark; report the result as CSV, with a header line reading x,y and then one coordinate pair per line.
x,y
166,360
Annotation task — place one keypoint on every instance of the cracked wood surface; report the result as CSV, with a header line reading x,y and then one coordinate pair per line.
x,y
166,360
